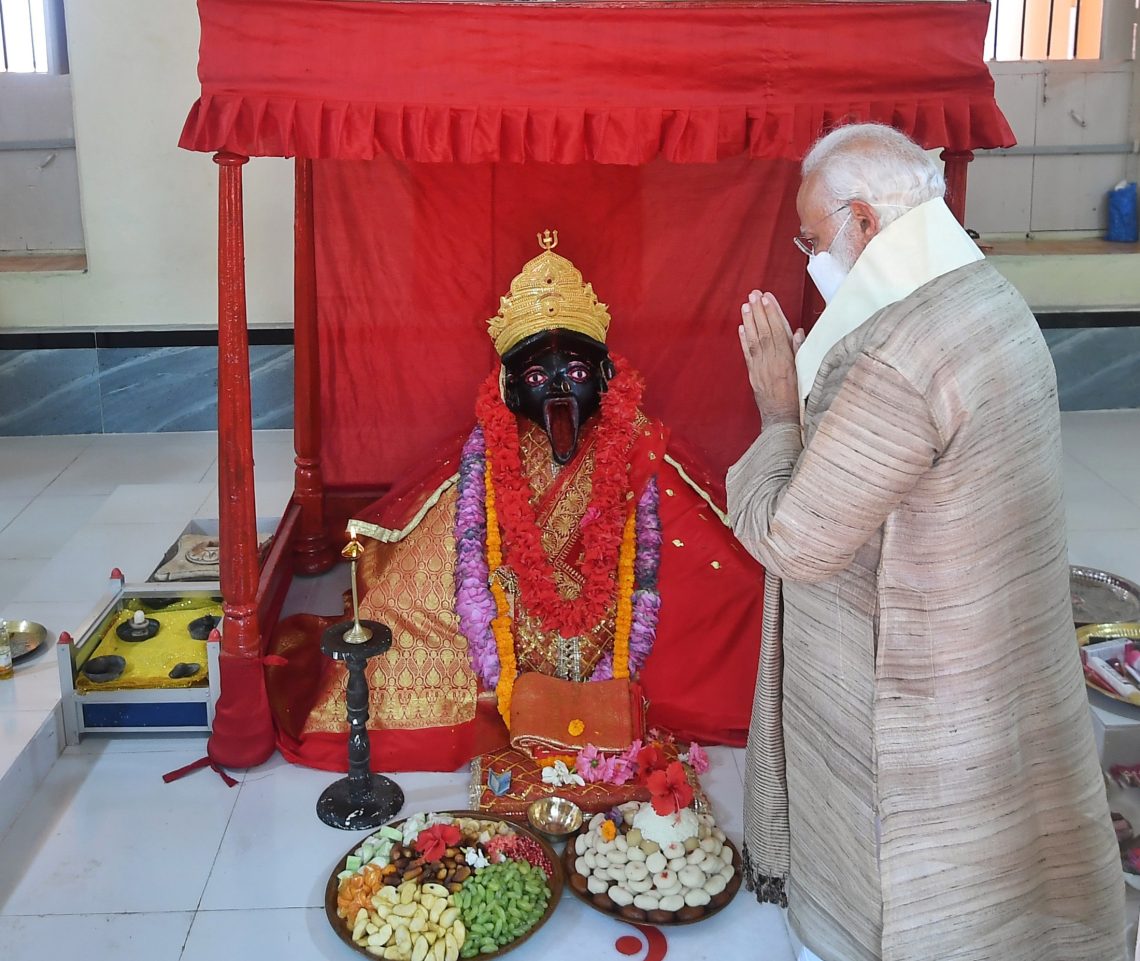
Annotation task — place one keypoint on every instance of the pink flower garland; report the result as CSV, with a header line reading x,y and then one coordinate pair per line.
x,y
474,602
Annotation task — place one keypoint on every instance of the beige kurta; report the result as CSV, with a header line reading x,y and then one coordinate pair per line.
x,y
945,800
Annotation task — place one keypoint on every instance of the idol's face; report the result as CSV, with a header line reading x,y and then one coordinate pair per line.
x,y
556,379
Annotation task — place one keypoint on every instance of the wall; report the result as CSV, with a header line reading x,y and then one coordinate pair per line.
x,y
150,209
149,219
39,189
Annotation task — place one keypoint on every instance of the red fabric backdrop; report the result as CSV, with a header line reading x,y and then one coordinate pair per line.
x,y
412,260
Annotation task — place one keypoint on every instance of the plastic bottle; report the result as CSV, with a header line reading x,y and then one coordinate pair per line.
x,y
6,670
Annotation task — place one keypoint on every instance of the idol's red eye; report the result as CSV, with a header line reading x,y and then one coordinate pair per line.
x,y
535,377
578,372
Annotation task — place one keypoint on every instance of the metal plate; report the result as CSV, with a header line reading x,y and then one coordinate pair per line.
x,y
26,637
1102,598
554,882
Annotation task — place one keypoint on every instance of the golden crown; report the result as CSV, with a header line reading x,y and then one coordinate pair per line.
x,y
548,294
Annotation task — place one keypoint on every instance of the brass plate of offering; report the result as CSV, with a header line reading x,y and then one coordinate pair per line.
x,y
1096,633
448,901
1102,598
631,913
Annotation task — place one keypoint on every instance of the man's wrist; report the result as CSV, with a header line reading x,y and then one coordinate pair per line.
x,y
783,416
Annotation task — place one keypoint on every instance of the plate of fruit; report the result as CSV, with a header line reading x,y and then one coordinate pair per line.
x,y
440,886
646,867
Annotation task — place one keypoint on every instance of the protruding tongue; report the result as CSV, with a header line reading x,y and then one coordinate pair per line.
x,y
560,418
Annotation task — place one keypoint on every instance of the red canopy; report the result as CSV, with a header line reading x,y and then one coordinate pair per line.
x,y
617,84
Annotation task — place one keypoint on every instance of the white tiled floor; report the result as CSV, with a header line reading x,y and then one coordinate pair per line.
x,y
99,857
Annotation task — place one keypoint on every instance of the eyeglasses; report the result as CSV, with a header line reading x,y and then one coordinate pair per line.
x,y
805,244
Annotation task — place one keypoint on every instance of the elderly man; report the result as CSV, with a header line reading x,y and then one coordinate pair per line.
x,y
942,799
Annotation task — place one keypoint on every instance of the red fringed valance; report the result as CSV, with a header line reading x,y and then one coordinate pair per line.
x,y
692,83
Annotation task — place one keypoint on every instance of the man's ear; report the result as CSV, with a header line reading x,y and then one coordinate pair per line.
x,y
866,219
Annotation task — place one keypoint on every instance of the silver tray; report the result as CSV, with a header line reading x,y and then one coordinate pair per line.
x,y
26,637
1102,598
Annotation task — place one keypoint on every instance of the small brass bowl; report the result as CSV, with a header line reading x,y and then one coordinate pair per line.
x,y
555,818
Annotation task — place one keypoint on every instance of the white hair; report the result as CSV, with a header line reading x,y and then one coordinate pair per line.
x,y
876,164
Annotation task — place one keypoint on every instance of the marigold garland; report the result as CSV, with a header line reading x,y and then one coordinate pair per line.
x,y
623,619
501,625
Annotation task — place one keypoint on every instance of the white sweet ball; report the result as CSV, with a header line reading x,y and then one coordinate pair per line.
x,y
691,876
580,844
697,897
715,885
672,902
582,866
636,870
619,895
647,902
656,862
596,885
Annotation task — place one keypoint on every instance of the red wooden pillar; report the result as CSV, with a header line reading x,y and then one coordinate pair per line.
x,y
313,551
956,163
243,729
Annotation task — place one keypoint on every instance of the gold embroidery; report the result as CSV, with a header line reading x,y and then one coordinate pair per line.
x,y
716,565
677,542
425,679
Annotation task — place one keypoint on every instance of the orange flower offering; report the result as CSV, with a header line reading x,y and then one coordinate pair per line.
x,y
576,727
608,830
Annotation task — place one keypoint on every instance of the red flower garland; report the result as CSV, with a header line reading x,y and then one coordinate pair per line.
x,y
601,539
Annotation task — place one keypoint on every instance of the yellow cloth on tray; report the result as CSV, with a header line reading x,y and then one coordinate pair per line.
x,y
149,662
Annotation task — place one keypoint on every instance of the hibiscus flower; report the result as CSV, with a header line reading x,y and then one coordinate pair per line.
x,y
649,759
670,789
433,842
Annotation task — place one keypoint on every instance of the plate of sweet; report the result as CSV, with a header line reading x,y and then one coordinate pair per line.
x,y
658,868
440,886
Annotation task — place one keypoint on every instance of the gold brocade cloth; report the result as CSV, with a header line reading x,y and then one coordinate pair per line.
x,y
425,678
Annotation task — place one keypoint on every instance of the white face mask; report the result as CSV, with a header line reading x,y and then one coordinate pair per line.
x,y
825,270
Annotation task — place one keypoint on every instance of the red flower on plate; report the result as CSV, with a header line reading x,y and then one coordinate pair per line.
x,y
670,789
433,842
649,759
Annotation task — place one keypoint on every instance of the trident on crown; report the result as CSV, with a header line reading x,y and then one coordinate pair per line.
x,y
548,239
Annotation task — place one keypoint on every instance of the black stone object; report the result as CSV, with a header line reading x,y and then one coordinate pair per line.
x,y
128,632
362,800
183,669
104,668
200,627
